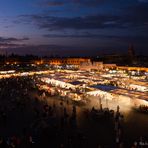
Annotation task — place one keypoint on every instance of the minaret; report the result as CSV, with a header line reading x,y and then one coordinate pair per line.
x,y
131,54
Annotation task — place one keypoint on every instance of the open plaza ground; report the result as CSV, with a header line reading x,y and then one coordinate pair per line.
x,y
72,108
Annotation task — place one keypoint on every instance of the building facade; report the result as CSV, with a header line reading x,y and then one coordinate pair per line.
x,y
68,61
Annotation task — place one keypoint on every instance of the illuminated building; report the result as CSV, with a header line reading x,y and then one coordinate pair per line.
x,y
88,66
68,61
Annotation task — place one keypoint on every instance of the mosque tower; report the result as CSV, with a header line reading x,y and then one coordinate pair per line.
x,y
131,55
131,51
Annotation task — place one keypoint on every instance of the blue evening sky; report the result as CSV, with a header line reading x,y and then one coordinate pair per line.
x,y
73,25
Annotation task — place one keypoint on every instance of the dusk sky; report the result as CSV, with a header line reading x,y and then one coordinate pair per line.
x,y
73,27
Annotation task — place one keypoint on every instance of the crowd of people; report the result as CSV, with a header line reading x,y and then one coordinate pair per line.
x,y
143,108
30,120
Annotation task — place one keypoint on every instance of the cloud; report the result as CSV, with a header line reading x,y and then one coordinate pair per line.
x,y
54,50
127,38
83,22
89,3
123,38
131,16
80,35
11,39
12,42
53,3
50,4
143,1
134,15
11,45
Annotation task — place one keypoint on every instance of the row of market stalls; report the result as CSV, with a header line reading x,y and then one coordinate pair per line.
x,y
80,85
63,89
